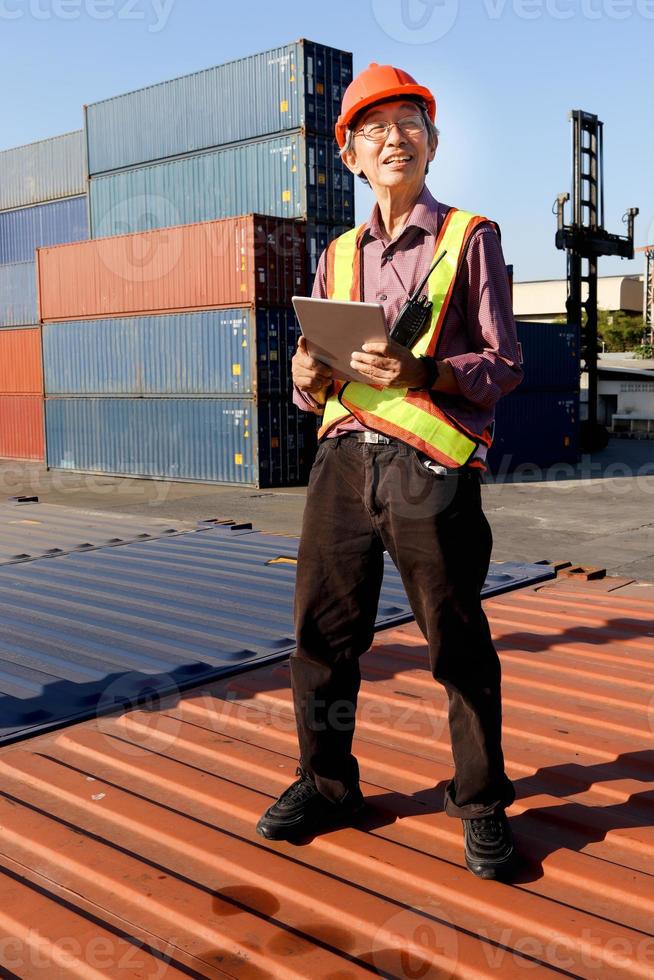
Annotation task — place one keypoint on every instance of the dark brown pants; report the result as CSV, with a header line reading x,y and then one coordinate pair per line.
x,y
363,499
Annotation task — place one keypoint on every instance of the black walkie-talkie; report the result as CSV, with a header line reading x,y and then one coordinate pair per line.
x,y
415,314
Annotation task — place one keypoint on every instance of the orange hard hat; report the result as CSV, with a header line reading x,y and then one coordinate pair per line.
x,y
379,83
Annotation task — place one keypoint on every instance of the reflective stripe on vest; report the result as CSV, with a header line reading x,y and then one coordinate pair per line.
x,y
411,416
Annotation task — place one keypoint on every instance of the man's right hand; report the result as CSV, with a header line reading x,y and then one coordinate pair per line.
x,y
310,375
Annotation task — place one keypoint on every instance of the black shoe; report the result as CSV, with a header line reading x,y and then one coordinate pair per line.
x,y
489,847
302,809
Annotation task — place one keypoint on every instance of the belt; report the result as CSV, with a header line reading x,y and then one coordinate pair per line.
x,y
368,436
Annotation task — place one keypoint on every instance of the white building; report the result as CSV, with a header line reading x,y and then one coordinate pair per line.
x,y
625,394
544,299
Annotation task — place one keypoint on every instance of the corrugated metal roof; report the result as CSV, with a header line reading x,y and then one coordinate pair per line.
x,y
94,629
144,822
30,529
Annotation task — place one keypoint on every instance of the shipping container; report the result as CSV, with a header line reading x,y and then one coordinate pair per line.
x,y
20,362
18,306
550,354
43,171
236,352
25,229
297,86
535,429
318,238
215,440
290,176
239,261
21,427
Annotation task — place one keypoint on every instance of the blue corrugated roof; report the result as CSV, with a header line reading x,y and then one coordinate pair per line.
x,y
85,633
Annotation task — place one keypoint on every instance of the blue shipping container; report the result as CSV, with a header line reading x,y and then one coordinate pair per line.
x,y
291,176
318,238
216,440
297,86
550,353
57,223
18,305
213,352
535,430
43,171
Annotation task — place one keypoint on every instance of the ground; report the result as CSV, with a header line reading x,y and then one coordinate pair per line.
x,y
599,513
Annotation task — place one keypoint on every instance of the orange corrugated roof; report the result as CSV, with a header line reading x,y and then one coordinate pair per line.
x,y
138,830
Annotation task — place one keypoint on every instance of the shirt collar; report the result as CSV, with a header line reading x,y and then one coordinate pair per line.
x,y
426,214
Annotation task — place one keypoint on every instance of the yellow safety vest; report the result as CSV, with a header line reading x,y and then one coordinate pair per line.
x,y
411,416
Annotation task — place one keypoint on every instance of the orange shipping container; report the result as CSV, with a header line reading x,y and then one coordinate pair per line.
x,y
21,427
226,263
20,362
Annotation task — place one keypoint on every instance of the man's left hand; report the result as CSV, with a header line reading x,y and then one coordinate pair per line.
x,y
389,365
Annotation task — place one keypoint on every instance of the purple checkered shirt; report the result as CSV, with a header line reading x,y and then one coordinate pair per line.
x,y
478,335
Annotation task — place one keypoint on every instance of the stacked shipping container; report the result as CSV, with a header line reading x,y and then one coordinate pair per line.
x,y
537,425
42,202
168,337
167,353
253,135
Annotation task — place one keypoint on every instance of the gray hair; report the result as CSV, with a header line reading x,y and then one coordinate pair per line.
x,y
432,134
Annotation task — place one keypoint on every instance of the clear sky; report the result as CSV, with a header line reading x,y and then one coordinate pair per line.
x,y
505,74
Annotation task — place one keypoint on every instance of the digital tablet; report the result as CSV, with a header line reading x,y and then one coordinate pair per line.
x,y
333,330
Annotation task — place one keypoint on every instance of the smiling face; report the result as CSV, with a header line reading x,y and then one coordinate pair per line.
x,y
398,161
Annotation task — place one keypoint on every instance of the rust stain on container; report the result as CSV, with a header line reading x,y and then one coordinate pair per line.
x,y
21,369
21,427
147,818
226,263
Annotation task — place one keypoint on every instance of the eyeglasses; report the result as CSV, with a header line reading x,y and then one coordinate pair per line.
x,y
378,130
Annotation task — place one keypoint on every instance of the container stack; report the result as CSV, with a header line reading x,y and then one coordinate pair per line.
x,y
254,135
538,424
167,338
166,354
42,201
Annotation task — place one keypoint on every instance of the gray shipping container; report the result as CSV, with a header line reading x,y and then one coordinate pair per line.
x,y
22,230
18,305
237,352
299,85
215,440
290,176
43,171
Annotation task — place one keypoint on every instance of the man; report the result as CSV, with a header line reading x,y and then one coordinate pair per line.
x,y
398,468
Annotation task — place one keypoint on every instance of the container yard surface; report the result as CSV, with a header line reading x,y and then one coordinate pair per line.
x,y
129,847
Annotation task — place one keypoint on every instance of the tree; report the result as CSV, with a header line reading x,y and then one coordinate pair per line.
x,y
619,331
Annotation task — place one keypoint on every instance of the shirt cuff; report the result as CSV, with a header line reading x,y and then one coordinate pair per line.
x,y
305,400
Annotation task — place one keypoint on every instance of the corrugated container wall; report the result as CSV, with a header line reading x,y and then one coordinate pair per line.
x,y
21,427
234,352
43,171
20,362
18,305
550,353
219,440
246,260
318,238
292,176
535,428
25,229
296,86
